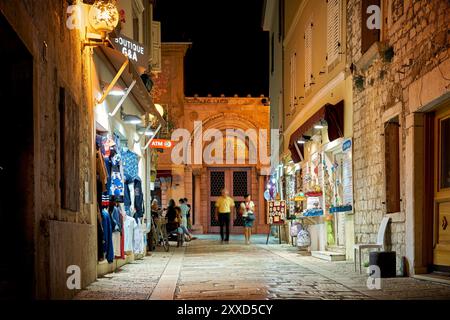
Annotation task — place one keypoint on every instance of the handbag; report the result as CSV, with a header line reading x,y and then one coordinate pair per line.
x,y
250,216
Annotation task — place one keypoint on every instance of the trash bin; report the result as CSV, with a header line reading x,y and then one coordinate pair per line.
x,y
386,261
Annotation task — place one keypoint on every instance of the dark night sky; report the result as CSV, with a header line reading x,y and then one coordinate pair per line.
x,y
230,51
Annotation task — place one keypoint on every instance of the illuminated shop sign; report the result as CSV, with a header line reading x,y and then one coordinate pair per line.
x,y
134,50
161,144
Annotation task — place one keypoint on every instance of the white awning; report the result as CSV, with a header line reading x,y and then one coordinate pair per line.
x,y
127,76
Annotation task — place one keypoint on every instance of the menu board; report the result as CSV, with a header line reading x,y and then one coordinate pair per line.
x,y
276,211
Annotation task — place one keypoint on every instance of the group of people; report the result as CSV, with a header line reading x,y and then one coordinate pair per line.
x,y
225,206
179,217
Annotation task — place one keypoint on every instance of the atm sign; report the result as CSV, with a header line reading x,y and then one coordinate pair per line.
x,y
161,144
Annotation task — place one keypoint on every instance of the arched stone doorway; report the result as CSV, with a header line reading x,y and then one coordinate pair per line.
x,y
240,176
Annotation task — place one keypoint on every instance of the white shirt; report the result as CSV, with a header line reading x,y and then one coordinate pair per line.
x,y
244,208
138,241
129,233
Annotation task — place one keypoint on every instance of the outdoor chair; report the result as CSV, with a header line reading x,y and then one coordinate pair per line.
x,y
379,245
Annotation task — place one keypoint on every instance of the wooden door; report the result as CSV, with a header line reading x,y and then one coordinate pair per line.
x,y
237,182
441,252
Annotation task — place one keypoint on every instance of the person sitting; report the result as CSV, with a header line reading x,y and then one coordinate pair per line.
x,y
174,221
155,209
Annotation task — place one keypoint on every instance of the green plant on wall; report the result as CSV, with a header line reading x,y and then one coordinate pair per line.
x,y
359,82
166,131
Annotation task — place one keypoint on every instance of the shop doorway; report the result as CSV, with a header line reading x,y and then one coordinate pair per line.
x,y
16,167
441,230
238,182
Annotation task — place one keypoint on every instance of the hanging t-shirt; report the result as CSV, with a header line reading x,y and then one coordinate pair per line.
x,y
130,163
138,241
129,225
107,236
116,244
117,185
138,198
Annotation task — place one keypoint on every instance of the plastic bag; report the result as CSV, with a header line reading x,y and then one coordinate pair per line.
x,y
303,238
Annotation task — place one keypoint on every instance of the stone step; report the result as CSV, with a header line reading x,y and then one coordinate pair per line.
x,y
328,255
337,249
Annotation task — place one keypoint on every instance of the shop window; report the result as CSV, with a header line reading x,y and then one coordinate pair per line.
x,y
370,23
69,151
138,9
392,165
334,25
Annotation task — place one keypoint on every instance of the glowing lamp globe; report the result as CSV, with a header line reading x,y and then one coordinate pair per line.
x,y
160,109
103,16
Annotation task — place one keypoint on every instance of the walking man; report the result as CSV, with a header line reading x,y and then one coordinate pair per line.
x,y
224,207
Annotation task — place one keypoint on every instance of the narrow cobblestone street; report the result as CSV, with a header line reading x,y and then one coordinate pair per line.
x,y
206,269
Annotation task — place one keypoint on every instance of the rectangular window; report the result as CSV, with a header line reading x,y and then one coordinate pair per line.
x,y
69,152
308,54
392,165
371,21
136,28
334,25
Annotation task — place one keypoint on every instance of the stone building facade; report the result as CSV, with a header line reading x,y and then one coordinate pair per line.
x,y
193,180
402,79
51,163
53,234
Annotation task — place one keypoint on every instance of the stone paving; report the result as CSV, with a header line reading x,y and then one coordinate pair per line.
x,y
206,269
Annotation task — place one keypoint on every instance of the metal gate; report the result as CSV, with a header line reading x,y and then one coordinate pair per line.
x,y
237,181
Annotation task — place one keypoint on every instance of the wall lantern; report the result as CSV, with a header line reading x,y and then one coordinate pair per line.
x,y
160,109
304,139
320,125
130,118
103,17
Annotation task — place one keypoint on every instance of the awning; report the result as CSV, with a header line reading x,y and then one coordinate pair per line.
x,y
115,61
332,114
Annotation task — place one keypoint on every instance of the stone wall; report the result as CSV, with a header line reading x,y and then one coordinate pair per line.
x,y
418,33
58,61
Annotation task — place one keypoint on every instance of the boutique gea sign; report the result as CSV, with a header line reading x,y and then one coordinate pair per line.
x,y
133,50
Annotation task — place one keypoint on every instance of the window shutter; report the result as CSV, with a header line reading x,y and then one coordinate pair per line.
x,y
368,36
69,151
334,23
293,75
308,54
156,46
392,166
